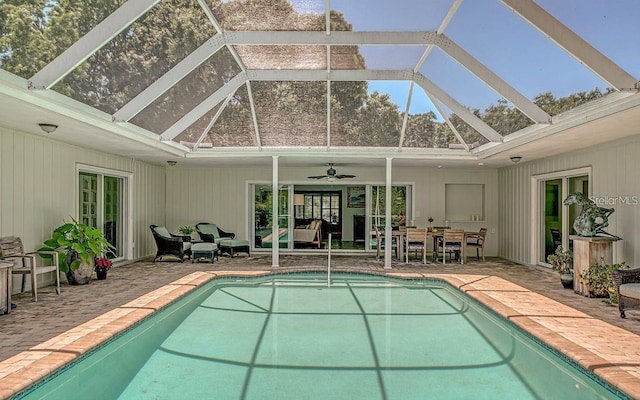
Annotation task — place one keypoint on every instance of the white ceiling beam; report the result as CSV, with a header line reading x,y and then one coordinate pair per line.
x,y
90,43
321,38
169,79
573,44
323,75
461,111
204,107
483,73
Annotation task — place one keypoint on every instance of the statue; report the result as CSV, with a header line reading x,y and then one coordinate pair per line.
x,y
593,219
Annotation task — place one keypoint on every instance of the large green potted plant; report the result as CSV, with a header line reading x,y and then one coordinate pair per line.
x,y
562,262
599,280
77,245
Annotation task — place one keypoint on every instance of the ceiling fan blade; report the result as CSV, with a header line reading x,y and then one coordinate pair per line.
x,y
344,176
317,177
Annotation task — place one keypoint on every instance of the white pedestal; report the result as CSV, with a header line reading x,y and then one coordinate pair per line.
x,y
588,251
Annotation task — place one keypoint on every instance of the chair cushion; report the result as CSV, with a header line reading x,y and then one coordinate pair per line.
x,y
204,246
630,290
233,243
209,229
162,231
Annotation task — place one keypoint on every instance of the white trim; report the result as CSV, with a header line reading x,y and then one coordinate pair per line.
x,y
536,181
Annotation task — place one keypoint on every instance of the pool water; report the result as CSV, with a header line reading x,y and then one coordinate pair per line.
x,y
291,336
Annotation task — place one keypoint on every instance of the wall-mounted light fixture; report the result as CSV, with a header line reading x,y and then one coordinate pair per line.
x,y
171,163
516,159
49,128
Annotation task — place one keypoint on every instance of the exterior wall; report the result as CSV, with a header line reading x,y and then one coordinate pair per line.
x,y
220,194
614,173
38,189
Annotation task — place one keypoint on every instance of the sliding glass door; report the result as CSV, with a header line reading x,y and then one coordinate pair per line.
x,y
102,205
556,219
263,217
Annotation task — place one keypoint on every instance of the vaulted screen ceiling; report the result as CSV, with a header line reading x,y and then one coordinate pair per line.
x,y
425,77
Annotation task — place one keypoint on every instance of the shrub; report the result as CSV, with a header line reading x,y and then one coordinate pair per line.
x,y
598,278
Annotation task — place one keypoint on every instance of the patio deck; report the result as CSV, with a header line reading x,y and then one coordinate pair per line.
x,y
581,333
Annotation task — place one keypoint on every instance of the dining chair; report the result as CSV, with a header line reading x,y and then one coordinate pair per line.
x,y
476,241
381,243
453,242
11,249
416,240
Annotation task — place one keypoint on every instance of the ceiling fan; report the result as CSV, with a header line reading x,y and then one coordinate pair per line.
x,y
331,175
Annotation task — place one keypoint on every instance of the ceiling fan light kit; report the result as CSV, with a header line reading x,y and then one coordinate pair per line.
x,y
331,175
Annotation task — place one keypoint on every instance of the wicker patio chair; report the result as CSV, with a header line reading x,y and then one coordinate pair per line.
x,y
169,244
627,284
212,233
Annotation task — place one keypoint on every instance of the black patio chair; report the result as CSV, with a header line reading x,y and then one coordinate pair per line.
x,y
212,233
169,244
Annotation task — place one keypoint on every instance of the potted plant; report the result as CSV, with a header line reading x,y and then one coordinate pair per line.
x,y
103,265
599,280
77,245
186,231
562,262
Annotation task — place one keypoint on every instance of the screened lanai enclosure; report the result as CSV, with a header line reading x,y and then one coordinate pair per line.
x,y
475,84
417,77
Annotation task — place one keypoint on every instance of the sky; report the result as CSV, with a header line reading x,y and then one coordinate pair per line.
x,y
499,39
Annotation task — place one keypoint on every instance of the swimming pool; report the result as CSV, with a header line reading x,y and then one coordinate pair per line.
x,y
289,336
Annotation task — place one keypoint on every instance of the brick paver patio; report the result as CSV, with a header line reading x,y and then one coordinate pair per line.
x,y
533,298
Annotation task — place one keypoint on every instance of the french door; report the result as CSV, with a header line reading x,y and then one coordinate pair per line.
x,y
103,204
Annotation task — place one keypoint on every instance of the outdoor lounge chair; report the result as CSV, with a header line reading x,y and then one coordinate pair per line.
x,y
169,244
11,249
627,284
226,241
212,234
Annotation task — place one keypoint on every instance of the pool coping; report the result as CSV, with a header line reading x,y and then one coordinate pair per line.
x,y
575,335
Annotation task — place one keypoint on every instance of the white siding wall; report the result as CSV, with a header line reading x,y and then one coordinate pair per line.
x,y
38,187
219,194
615,173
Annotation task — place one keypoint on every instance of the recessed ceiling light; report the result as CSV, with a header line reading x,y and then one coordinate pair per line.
x,y
439,166
480,163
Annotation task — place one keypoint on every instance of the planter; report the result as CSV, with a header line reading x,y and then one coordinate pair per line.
x,y
82,275
101,274
567,280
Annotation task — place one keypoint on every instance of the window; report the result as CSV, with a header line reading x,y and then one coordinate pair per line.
x,y
323,205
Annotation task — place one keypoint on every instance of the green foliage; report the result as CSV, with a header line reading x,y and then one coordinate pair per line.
x,y
34,32
186,230
598,278
75,242
561,260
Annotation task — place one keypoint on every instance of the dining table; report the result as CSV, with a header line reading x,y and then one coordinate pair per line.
x,y
439,234
400,234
